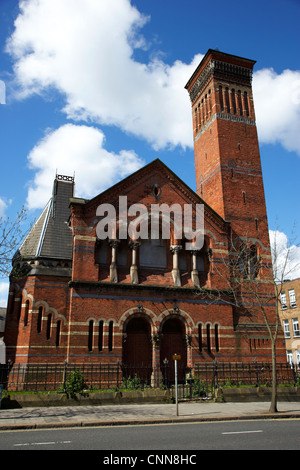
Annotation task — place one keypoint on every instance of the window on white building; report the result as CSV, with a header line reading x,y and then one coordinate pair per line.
x,y
283,300
296,327
298,357
289,356
292,298
286,329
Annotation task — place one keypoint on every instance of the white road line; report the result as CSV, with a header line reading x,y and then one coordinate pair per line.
x,y
41,443
241,432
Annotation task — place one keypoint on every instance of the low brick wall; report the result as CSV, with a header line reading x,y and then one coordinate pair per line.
x,y
95,398
237,395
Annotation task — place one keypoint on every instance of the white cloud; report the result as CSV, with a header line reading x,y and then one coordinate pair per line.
x,y
277,106
3,207
285,256
88,56
73,148
4,286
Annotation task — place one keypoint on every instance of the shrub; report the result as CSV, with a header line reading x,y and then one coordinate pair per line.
x,y
74,383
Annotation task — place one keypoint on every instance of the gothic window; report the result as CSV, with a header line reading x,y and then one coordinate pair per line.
x,y
39,320
48,329
240,102
221,97
122,253
208,338
227,99
200,262
110,335
182,263
58,327
153,253
26,313
233,100
101,252
200,337
246,103
90,336
100,336
217,346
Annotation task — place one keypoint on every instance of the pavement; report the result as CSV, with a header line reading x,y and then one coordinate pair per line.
x,y
137,414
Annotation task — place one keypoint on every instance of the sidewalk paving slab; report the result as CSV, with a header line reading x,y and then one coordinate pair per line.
x,y
136,414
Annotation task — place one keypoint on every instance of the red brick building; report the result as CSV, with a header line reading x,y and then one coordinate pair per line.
x,y
84,299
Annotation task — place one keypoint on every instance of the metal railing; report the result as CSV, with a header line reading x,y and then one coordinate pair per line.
x,y
203,378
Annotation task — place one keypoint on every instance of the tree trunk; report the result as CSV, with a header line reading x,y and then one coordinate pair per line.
x,y
273,406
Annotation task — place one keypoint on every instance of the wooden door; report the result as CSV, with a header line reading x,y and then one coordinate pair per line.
x,y
173,342
137,350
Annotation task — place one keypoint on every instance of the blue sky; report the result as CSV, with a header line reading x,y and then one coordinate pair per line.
x,y
96,87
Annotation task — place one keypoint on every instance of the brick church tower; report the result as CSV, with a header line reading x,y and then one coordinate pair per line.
x,y
227,159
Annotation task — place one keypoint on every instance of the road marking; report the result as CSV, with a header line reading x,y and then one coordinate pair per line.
x,y
41,443
241,432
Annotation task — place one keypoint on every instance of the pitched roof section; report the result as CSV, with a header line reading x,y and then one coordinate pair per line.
x,y
50,236
124,186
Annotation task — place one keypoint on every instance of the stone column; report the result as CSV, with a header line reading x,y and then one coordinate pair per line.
x,y
188,342
156,377
133,268
194,273
113,272
175,271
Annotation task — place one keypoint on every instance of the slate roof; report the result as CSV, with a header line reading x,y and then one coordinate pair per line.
x,y
51,236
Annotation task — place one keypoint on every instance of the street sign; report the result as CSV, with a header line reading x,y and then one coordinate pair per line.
x,y
176,357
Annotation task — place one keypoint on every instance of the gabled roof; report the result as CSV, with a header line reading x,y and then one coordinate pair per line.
x,y
122,186
51,236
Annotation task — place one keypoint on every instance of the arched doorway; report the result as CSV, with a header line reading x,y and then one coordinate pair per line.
x,y
137,349
173,342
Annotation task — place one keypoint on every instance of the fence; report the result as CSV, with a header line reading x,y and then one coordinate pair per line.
x,y
198,381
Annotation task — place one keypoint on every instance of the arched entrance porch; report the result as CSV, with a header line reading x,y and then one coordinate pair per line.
x,y
137,349
173,342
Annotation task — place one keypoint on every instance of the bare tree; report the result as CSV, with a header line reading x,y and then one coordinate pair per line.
x,y
252,287
12,233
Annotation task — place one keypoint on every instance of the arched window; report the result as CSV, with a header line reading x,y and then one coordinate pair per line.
x,y
101,252
233,100
110,335
100,336
26,313
227,99
58,328
208,338
122,253
48,330
39,320
200,337
246,103
153,253
221,97
240,102
90,337
217,346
